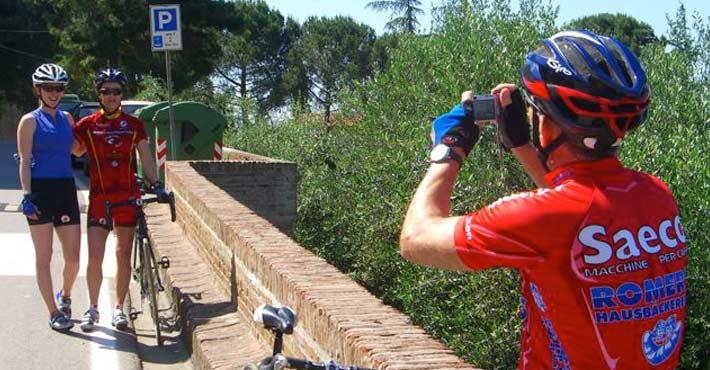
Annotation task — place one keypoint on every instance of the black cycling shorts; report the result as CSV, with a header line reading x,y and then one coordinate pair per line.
x,y
56,201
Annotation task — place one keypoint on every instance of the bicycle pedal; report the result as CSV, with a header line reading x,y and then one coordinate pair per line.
x,y
134,315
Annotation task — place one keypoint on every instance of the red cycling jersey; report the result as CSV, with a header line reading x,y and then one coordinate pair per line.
x,y
110,146
602,258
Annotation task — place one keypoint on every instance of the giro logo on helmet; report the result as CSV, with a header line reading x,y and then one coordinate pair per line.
x,y
555,64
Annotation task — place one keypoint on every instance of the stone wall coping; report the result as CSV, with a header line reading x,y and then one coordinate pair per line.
x,y
230,154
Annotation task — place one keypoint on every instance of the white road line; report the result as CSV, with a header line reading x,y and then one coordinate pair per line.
x,y
19,246
105,357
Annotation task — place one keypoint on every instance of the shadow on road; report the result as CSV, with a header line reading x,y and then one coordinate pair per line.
x,y
119,341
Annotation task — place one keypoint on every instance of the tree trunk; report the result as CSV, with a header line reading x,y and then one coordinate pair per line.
x,y
327,104
243,82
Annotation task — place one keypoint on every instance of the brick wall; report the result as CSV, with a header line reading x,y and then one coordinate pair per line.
x,y
267,188
254,263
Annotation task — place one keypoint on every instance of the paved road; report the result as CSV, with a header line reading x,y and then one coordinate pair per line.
x,y
26,336
26,339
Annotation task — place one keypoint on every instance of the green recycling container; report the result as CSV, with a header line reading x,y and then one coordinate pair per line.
x,y
146,115
198,128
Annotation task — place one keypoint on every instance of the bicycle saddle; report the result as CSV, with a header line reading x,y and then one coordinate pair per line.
x,y
281,319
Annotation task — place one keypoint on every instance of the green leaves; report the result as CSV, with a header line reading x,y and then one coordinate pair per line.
x,y
109,33
335,54
25,44
255,54
632,32
404,14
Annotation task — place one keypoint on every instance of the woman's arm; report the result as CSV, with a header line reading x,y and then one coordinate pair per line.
x,y
25,135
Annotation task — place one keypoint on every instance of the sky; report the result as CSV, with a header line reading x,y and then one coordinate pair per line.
x,y
652,12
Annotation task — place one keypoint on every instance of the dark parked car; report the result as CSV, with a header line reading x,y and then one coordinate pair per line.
x,y
85,109
69,103
131,106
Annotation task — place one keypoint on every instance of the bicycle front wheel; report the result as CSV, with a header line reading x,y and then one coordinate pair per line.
x,y
149,273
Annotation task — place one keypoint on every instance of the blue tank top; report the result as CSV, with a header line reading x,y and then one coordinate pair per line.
x,y
51,146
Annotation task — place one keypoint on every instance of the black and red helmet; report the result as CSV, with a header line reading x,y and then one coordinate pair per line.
x,y
593,86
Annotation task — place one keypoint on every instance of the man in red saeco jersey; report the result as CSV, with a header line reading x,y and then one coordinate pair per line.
x,y
111,138
600,249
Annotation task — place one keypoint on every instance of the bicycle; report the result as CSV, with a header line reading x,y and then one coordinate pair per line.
x,y
145,267
282,320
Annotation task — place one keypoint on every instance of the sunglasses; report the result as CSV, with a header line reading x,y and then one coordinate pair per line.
x,y
110,91
53,88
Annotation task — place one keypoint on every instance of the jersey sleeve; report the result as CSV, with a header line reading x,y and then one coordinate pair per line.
x,y
517,231
79,130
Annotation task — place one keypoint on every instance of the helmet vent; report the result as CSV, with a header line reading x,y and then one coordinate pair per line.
x,y
590,142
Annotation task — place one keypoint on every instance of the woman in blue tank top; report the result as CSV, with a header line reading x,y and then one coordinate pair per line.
x,y
44,145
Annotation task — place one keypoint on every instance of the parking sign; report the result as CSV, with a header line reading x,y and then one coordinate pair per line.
x,y
165,27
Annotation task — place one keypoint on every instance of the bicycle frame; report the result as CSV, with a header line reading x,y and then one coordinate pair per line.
x,y
145,268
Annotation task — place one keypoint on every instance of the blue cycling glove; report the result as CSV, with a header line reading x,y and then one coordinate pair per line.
x,y
159,190
28,208
456,128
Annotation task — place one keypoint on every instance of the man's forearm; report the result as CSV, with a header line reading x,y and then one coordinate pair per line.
x,y
147,162
427,234
149,168
433,196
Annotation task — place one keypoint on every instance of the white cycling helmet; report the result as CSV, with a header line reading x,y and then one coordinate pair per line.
x,y
49,74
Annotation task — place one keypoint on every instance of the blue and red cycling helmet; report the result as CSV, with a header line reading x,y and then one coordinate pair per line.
x,y
593,86
110,75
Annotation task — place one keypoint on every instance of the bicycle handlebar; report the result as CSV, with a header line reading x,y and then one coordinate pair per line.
x,y
139,203
279,362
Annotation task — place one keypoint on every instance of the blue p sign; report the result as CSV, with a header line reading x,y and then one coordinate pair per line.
x,y
165,20
165,27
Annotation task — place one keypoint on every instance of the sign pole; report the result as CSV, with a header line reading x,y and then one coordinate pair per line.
x,y
170,105
166,35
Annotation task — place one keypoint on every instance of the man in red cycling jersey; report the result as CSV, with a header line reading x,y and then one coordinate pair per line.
x,y
111,138
600,249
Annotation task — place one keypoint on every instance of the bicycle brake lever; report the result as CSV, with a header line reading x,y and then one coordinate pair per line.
x,y
277,362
